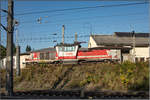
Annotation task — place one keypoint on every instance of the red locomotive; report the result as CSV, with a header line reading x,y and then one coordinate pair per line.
x,y
73,53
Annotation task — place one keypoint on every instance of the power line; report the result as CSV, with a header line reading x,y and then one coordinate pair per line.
x,y
47,16
40,39
80,8
58,32
48,38
138,19
80,18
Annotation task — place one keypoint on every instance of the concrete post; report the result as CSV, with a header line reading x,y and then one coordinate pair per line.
x,y
9,57
63,32
18,60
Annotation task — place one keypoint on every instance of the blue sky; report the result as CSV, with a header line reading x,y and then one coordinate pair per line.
x,y
106,20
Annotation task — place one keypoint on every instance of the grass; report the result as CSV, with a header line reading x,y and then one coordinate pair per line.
x,y
100,76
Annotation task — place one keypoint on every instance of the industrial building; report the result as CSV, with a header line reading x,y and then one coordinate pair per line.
x,y
136,46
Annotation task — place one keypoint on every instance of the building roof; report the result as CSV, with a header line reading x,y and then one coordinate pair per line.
x,y
26,53
112,47
110,40
129,34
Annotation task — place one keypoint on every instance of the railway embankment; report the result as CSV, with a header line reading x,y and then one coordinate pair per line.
x,y
89,76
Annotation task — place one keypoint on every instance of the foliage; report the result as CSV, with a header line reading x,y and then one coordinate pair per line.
x,y
3,77
28,48
2,51
127,72
125,76
14,48
90,77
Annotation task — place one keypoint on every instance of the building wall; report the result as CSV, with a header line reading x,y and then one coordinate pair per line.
x,y
141,52
3,63
127,57
92,43
22,62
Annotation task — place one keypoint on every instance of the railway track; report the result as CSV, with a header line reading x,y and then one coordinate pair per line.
x,y
77,94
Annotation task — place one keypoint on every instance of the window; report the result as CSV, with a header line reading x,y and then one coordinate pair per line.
x,y
41,56
142,59
47,56
52,55
66,49
61,48
136,59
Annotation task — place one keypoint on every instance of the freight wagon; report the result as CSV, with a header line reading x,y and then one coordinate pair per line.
x,y
64,53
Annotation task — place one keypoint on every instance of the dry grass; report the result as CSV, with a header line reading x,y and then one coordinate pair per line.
x,y
100,76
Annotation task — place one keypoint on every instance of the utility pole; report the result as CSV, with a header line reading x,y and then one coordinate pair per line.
x,y
17,52
149,50
76,37
63,32
9,57
0,33
18,60
133,36
0,48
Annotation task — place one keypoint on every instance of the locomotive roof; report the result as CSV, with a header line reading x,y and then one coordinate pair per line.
x,y
45,50
69,44
53,49
121,40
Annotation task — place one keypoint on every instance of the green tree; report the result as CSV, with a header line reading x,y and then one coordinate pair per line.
x,y
14,48
28,48
2,51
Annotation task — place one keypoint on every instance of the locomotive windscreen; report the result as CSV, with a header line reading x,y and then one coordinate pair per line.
x,y
67,49
67,52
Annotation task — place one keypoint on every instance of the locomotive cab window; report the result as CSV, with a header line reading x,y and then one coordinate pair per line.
x,y
61,48
67,49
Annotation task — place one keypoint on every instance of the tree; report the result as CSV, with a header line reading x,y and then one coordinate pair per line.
x,y
28,48
2,52
14,48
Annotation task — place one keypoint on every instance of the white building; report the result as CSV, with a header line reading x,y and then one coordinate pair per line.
x,y
138,44
22,61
